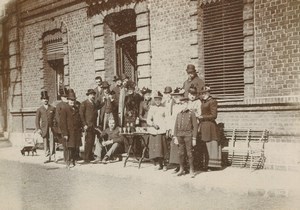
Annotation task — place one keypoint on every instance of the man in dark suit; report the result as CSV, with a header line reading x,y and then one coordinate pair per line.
x,y
99,93
88,115
58,110
44,121
193,79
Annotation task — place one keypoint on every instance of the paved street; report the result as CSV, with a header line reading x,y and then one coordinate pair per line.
x,y
51,186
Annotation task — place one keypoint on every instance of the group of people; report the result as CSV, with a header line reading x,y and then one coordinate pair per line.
x,y
180,124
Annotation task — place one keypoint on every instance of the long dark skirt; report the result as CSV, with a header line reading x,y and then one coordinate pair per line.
x,y
214,154
157,146
174,153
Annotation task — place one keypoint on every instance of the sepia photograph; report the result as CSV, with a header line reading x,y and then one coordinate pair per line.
x,y
150,104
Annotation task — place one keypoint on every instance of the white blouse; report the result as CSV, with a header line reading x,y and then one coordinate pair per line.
x,y
157,116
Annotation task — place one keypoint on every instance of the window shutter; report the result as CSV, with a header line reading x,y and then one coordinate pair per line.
x,y
223,48
54,46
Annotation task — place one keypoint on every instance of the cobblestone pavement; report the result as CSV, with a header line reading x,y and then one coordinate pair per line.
x,y
26,183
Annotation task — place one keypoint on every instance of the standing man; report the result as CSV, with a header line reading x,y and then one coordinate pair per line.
x,y
44,121
59,109
88,116
71,129
192,79
117,90
98,97
123,93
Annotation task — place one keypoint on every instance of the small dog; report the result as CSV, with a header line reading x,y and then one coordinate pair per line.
x,y
28,149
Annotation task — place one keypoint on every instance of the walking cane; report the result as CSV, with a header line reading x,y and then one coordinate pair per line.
x,y
68,155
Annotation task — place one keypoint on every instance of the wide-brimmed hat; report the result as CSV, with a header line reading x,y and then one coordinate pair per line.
x,y
72,95
193,90
178,91
190,69
168,89
157,94
44,94
145,90
205,89
116,78
105,84
90,91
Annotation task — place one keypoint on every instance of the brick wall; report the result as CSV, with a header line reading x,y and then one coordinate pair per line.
x,y
277,46
170,34
79,55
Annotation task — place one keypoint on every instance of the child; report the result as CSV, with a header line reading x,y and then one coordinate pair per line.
x,y
111,142
185,133
178,106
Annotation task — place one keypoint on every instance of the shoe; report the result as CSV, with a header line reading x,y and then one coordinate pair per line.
x,y
159,168
192,174
47,161
97,160
165,168
84,162
176,170
180,173
105,160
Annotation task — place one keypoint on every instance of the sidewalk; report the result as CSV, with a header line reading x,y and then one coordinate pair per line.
x,y
268,183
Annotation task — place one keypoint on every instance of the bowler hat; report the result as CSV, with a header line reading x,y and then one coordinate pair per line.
x,y
116,78
145,90
72,96
193,90
190,69
44,94
178,91
168,89
157,94
90,91
205,89
105,84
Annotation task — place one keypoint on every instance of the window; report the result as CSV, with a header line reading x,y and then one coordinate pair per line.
x,y
53,63
223,48
123,24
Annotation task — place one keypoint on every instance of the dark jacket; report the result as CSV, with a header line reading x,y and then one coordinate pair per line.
x,y
107,134
88,114
58,109
143,112
45,119
208,126
71,125
196,81
186,124
132,106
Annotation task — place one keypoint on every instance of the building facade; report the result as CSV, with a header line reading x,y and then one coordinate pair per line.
x,y
247,50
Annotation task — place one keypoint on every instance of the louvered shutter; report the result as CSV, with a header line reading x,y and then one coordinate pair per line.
x,y
223,48
54,46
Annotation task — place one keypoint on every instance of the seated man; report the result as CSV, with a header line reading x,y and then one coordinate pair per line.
x,y
109,143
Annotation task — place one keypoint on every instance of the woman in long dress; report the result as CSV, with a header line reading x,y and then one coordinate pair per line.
x,y
177,94
157,140
209,130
